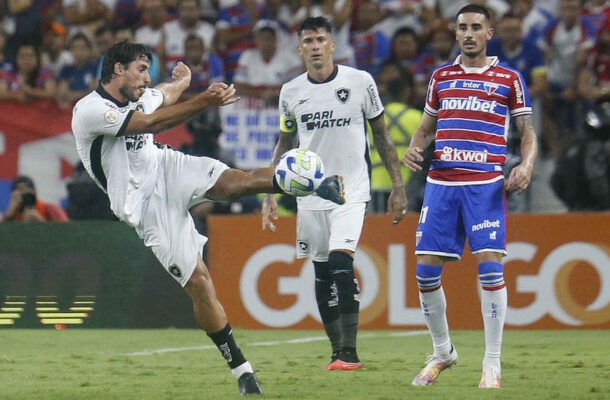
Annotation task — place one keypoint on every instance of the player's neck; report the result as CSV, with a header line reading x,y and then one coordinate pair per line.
x,y
115,93
478,61
322,74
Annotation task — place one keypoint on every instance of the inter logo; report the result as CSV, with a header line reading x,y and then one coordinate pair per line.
x,y
342,94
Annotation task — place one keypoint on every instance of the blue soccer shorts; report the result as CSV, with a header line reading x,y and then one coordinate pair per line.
x,y
450,214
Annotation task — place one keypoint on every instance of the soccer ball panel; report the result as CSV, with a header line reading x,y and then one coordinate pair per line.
x,y
299,172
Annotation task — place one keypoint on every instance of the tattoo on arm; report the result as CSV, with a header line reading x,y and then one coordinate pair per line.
x,y
387,150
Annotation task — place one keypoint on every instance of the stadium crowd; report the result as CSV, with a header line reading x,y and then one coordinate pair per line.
x,y
52,50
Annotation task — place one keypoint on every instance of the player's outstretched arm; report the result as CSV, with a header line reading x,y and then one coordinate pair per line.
x,y
181,79
218,94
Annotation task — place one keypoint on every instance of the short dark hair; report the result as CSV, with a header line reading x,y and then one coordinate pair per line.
x,y
125,53
313,24
22,179
474,8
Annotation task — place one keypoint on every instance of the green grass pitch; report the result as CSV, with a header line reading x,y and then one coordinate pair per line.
x,y
183,364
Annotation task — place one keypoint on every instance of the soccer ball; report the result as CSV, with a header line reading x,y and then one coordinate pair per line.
x,y
299,172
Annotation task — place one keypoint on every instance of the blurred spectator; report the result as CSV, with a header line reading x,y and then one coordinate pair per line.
x,y
234,31
127,13
54,52
24,206
405,49
390,70
150,33
103,38
85,199
23,24
516,52
593,81
77,80
263,70
27,79
371,45
176,31
50,10
567,41
595,13
581,178
441,49
4,64
399,13
87,16
401,120
447,9
206,68
534,20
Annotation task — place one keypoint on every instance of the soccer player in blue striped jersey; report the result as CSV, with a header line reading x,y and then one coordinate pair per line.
x,y
469,106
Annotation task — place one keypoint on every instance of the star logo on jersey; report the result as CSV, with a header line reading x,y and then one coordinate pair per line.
x,y
175,271
491,87
303,245
289,124
342,95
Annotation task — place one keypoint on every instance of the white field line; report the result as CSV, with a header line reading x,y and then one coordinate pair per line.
x,y
271,343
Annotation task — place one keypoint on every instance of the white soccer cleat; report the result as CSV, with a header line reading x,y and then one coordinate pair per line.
x,y
434,366
490,379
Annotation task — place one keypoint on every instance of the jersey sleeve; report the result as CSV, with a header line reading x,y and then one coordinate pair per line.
x,y
373,107
432,104
519,100
99,117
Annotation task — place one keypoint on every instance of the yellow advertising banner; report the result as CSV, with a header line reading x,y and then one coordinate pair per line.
x,y
557,273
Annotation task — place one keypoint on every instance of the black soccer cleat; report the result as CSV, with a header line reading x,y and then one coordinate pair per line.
x,y
249,384
332,189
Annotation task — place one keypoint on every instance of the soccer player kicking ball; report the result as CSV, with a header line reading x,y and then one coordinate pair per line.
x,y
152,187
468,108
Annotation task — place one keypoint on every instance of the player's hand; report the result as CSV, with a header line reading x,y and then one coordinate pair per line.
x,y
397,204
413,157
220,94
269,211
519,178
181,75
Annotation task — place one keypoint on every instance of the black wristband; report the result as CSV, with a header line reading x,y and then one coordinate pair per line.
x,y
276,186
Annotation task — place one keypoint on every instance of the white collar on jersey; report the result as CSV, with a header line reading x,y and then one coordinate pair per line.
x,y
491,62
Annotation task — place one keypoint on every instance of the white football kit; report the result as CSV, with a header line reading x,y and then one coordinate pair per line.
x,y
151,187
330,119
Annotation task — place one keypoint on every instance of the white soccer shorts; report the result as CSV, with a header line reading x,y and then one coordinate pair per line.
x,y
322,231
166,226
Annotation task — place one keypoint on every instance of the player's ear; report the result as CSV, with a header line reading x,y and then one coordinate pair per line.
x,y
118,68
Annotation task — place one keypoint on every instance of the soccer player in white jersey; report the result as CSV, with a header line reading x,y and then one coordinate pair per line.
x,y
469,106
151,187
326,110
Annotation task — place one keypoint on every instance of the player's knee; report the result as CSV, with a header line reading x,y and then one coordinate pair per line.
x,y
322,272
340,262
428,277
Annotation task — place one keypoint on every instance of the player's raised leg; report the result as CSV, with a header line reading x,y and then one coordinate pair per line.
x,y
234,184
